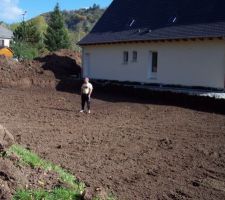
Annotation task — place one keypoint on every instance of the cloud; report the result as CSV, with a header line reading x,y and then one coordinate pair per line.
x,y
9,10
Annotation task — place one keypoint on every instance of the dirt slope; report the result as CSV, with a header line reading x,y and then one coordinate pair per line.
x,y
138,150
14,176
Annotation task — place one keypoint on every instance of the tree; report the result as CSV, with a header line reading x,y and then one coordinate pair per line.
x,y
40,23
27,33
27,41
57,35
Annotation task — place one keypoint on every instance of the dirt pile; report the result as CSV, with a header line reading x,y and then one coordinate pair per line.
x,y
24,74
44,72
62,63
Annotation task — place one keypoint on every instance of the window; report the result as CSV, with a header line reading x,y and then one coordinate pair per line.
x,y
173,19
154,62
125,57
135,54
2,43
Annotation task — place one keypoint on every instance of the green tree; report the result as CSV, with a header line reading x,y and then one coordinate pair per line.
x,y
27,41
57,36
27,32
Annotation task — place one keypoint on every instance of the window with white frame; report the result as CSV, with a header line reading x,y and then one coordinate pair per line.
x,y
134,56
125,57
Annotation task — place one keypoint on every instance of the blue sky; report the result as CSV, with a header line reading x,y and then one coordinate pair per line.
x,y
11,10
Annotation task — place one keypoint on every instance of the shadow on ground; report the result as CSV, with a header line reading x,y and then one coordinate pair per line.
x,y
66,68
116,93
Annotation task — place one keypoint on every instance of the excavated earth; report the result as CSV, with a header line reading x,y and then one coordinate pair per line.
x,y
133,147
45,71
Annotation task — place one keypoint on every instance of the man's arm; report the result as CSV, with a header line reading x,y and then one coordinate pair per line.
x,y
90,92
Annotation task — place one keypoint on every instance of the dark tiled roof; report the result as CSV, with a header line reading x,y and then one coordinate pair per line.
x,y
5,33
141,20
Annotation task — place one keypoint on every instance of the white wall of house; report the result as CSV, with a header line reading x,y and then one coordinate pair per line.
x,y
187,63
6,42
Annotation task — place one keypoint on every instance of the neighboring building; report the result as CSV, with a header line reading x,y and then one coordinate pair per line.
x,y
6,51
6,36
159,42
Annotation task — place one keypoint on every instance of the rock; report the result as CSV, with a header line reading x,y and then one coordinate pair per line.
x,y
6,139
98,193
59,146
88,194
10,173
5,192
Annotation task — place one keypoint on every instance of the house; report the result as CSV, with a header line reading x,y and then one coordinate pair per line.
x,y
163,42
6,36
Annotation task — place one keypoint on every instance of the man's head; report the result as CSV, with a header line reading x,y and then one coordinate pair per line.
x,y
86,80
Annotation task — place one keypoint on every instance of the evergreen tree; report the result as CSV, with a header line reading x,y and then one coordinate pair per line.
x,y
57,35
28,33
27,41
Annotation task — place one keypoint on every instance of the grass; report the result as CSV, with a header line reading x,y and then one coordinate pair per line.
x,y
74,190
55,194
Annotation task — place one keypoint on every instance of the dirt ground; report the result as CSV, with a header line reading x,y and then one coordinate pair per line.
x,y
135,149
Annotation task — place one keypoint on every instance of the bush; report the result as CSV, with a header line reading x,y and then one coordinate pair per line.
x,y
24,50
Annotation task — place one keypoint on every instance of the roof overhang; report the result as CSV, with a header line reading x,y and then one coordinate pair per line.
x,y
150,41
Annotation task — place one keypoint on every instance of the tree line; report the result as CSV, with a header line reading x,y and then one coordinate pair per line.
x,y
53,31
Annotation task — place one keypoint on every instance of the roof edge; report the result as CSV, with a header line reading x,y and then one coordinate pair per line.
x,y
151,40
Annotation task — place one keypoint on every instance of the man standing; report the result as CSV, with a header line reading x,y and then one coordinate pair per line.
x,y
86,91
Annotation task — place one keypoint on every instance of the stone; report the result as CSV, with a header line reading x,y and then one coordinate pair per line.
x,y
6,139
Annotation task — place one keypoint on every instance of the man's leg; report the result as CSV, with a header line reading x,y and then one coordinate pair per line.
x,y
89,105
82,103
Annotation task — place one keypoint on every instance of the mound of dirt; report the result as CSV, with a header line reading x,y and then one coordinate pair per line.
x,y
62,63
44,72
24,74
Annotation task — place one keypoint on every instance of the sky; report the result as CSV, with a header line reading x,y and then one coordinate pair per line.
x,y
11,10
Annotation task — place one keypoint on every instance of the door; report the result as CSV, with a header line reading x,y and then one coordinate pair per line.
x,y
152,65
86,70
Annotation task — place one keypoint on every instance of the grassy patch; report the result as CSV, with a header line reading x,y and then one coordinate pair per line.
x,y
72,192
55,194
31,159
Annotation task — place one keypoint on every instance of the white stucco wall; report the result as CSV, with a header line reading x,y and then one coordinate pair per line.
x,y
6,42
188,63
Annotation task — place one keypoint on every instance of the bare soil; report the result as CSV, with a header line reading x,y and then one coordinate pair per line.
x,y
133,148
